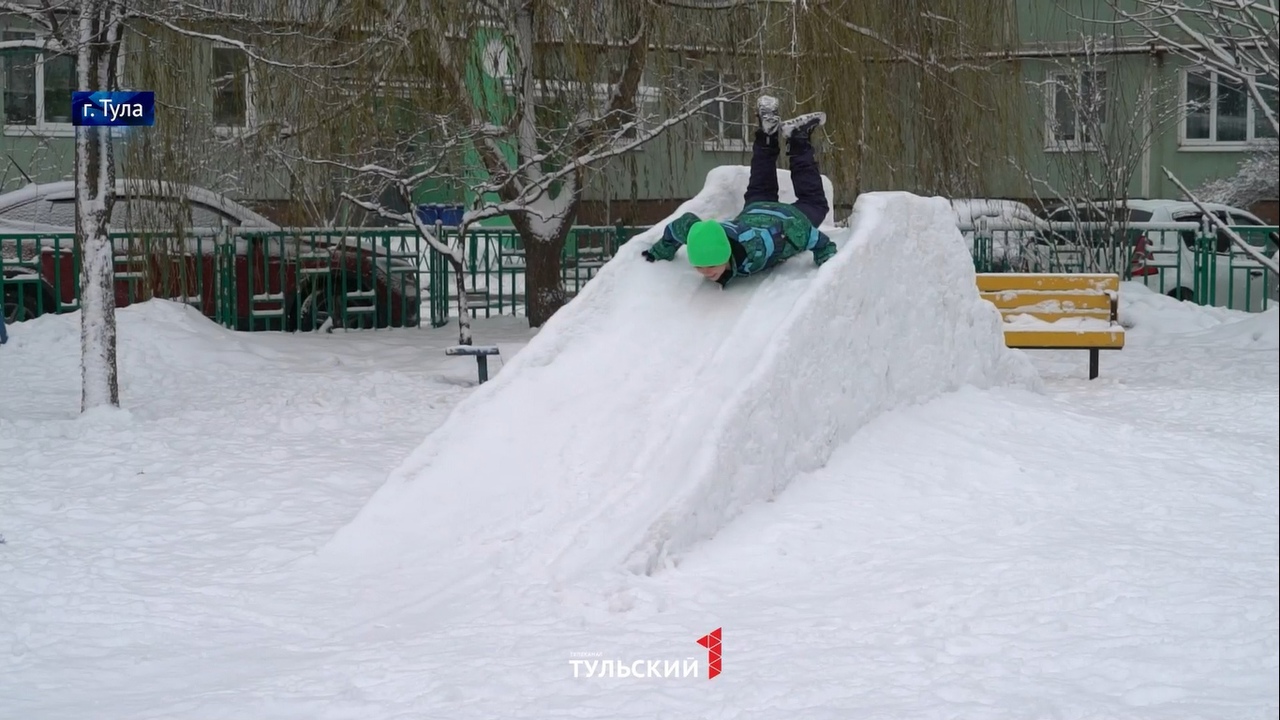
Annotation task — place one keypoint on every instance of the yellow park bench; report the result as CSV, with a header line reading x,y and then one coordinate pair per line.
x,y
1056,311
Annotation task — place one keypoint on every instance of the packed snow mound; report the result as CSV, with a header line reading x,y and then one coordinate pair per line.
x,y
649,411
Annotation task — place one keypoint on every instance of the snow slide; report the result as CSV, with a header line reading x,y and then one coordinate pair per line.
x,y
656,405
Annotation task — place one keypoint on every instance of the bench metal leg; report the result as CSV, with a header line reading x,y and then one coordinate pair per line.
x,y
482,362
1093,363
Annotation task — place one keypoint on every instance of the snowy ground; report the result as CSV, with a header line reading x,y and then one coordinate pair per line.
x,y
1107,549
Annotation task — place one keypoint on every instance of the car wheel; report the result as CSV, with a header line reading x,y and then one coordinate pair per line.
x,y
16,309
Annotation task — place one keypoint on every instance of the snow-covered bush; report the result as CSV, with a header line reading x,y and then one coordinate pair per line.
x,y
1256,179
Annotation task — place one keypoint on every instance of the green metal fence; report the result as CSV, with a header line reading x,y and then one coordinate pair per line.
x,y
320,278
306,279
41,271
494,267
300,278
1183,260
1222,267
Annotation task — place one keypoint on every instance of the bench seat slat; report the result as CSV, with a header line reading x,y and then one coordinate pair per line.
x,y
1048,301
1052,315
1042,339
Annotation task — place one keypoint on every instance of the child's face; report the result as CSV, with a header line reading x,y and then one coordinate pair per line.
x,y
714,272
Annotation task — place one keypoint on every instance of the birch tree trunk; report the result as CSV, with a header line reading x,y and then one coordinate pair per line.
x,y
99,383
98,43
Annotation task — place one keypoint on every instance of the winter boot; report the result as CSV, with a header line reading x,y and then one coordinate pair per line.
x,y
767,114
798,128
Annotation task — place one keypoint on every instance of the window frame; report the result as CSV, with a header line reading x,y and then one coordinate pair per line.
x,y
1053,78
38,43
722,143
646,101
250,109
1211,143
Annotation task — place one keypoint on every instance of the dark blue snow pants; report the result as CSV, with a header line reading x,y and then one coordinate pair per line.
x,y
805,177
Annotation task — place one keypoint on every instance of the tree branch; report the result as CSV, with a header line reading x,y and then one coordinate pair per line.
x,y
40,17
244,47
1269,263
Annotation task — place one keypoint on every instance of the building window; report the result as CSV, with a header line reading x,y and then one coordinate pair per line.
x,y
37,88
1076,110
232,97
553,113
724,123
641,121
1220,111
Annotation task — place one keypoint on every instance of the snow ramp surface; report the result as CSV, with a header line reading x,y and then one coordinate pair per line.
x,y
656,405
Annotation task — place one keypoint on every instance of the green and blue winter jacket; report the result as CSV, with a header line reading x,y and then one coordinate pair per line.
x,y
762,236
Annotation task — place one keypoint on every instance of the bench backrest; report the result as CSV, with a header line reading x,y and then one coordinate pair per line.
x,y
1052,296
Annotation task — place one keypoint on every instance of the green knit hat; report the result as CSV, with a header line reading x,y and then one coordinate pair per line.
x,y
708,245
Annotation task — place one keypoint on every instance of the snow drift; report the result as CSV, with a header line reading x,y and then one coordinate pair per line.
x,y
155,334
656,405
1160,319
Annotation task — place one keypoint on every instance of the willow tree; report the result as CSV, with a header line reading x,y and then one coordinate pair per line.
x,y
916,93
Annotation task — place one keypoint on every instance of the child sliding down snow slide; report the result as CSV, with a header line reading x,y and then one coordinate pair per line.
x,y
767,232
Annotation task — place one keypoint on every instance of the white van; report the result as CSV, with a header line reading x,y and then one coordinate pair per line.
x,y
1164,259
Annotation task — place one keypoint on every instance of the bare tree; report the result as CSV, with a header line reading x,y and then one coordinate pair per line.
x,y
406,164
97,53
917,92
92,30
1102,112
1238,39
570,97
516,104
1268,262
95,33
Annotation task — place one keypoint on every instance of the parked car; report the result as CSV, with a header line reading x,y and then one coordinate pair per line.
x,y
970,211
1008,224
281,280
139,204
1162,258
